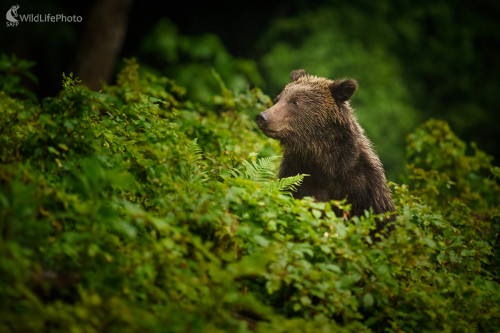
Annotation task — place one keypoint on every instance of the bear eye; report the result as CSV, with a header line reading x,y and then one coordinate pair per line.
x,y
296,102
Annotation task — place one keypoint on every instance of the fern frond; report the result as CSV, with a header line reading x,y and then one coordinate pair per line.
x,y
194,152
194,173
285,184
262,170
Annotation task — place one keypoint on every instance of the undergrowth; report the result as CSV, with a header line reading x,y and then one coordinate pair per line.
x,y
136,209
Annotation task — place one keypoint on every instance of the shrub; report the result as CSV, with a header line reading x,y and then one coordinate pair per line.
x,y
191,61
136,209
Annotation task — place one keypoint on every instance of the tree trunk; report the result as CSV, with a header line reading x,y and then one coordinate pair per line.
x,y
102,41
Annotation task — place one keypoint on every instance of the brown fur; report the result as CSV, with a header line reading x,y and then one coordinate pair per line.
x,y
316,126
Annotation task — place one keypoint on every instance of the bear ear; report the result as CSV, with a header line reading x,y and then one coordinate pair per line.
x,y
342,90
296,74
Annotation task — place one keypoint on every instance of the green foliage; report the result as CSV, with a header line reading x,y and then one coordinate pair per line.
x,y
14,73
136,209
444,169
191,60
264,172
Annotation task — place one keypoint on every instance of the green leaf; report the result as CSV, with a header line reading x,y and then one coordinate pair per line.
x,y
368,300
262,241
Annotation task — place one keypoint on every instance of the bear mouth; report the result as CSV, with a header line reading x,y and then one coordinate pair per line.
x,y
269,132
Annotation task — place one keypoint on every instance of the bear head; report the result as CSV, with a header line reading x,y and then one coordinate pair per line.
x,y
307,107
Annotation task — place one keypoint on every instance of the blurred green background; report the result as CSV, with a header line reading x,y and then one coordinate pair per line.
x,y
413,60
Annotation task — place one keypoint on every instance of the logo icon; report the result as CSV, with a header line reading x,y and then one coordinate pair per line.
x,y
11,16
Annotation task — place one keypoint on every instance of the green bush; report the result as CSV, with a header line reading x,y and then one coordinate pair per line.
x,y
190,60
135,208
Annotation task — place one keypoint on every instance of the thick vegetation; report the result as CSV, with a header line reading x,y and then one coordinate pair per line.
x,y
136,209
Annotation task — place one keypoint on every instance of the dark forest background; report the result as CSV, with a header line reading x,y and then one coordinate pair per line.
x,y
413,60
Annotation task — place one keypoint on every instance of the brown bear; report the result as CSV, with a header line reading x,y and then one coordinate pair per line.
x,y
316,126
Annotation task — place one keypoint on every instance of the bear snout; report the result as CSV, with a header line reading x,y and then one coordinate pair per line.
x,y
261,119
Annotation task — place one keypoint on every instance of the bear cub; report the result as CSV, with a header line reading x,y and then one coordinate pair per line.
x,y
316,126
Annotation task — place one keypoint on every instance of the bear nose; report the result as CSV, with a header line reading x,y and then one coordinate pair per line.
x,y
261,118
